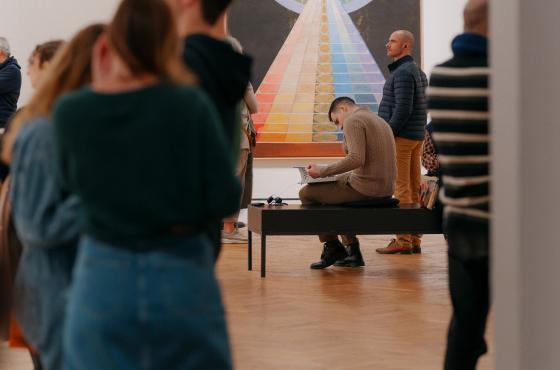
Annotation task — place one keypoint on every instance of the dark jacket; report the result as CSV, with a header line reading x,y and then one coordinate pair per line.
x,y
458,99
404,104
224,75
10,86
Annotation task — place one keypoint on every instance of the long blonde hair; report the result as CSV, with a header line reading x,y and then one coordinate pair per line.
x,y
70,69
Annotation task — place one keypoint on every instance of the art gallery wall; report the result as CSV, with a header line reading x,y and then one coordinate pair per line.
x,y
28,22
441,21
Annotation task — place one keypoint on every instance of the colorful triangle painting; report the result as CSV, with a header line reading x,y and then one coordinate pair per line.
x,y
323,58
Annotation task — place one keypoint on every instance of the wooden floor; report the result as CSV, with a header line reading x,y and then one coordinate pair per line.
x,y
390,315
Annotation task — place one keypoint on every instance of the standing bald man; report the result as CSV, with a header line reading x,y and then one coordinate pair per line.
x,y
458,102
404,107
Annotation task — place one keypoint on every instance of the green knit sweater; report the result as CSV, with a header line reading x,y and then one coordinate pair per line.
x,y
146,163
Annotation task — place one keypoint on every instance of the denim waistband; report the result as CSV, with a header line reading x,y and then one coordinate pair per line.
x,y
181,247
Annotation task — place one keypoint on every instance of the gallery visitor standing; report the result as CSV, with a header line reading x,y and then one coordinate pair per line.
x,y
404,107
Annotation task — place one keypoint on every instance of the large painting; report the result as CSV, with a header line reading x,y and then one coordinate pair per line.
x,y
307,53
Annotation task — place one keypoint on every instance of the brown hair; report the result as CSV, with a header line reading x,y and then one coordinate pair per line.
x,y
144,34
212,10
46,51
71,69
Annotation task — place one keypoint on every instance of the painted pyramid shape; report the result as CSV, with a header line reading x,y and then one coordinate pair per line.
x,y
323,58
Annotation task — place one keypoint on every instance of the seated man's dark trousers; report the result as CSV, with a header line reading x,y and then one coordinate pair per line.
x,y
470,294
332,193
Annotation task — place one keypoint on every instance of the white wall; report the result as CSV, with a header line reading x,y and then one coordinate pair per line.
x,y
525,183
441,21
28,22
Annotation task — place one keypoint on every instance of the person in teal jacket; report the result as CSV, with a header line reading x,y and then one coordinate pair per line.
x,y
45,215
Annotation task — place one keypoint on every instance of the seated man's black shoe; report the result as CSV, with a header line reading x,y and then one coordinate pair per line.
x,y
332,251
354,258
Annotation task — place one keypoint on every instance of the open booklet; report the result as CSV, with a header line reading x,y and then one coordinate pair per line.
x,y
306,179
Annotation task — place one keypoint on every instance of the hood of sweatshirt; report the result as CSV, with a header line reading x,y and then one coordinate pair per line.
x,y
221,71
10,62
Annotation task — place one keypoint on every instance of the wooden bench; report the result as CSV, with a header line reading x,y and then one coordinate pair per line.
x,y
314,220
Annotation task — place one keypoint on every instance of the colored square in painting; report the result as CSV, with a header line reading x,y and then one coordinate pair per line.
x,y
355,68
362,89
265,98
298,138
365,58
343,89
352,58
274,128
338,58
343,78
341,68
278,118
299,128
288,87
259,117
309,69
337,49
305,98
375,78
364,98
371,68
302,107
265,107
307,78
271,138
306,88
268,88
301,118
284,98
279,108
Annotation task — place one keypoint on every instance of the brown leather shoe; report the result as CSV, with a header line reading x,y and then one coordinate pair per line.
x,y
394,248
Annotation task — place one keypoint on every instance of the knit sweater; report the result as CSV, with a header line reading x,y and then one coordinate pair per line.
x,y
146,164
371,157
458,103
404,99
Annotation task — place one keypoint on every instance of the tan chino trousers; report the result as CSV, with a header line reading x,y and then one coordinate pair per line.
x,y
409,175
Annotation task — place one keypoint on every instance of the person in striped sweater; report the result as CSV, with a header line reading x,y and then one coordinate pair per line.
x,y
458,103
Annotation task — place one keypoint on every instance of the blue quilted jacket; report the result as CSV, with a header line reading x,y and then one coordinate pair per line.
x,y
404,104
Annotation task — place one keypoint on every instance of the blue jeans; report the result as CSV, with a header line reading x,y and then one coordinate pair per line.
x,y
155,309
42,285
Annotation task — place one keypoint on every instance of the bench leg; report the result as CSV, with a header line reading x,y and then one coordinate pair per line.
x,y
250,250
263,255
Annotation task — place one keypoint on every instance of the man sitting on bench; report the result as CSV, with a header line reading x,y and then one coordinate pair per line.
x,y
368,171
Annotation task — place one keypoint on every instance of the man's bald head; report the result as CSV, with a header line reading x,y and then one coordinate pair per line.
x,y
407,37
476,17
401,43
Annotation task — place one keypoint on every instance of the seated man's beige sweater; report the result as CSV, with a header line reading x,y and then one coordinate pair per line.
x,y
371,155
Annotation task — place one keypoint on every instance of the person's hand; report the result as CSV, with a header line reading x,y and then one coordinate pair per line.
x,y
313,171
